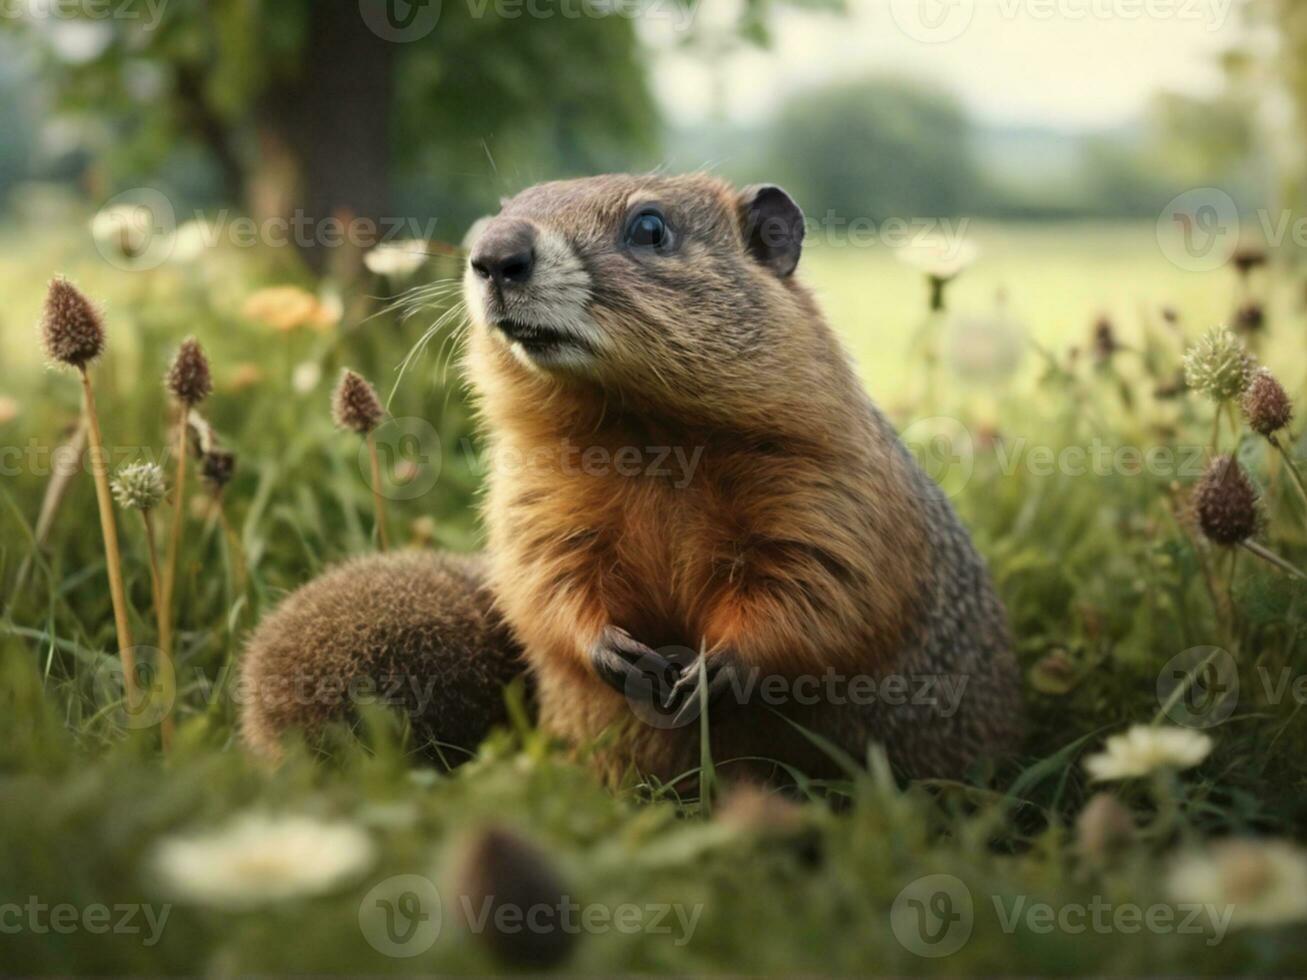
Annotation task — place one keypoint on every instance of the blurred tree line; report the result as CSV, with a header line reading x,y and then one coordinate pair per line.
x,y
285,106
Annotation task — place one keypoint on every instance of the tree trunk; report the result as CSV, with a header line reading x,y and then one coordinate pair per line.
x,y
324,137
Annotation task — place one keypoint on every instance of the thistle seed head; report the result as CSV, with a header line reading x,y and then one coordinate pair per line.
x,y
1266,404
1104,343
217,466
139,486
72,330
355,405
1250,317
1248,257
499,869
189,378
1225,502
1218,365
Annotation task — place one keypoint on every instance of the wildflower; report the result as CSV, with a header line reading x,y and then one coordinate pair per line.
x,y
217,466
941,260
1264,883
986,348
1246,258
1218,365
499,870
1104,828
139,486
1104,343
126,228
306,376
245,375
397,260
9,409
258,859
1250,318
73,333
189,378
72,330
1145,749
1225,502
355,405
192,240
1266,405
283,308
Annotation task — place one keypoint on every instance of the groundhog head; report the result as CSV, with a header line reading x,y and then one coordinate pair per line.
x,y
653,285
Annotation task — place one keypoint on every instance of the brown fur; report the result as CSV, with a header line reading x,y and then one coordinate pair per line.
x,y
802,541
409,629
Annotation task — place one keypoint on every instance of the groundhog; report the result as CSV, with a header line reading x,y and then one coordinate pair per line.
x,y
697,519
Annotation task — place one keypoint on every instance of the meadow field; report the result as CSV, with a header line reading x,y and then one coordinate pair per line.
x,y
1109,585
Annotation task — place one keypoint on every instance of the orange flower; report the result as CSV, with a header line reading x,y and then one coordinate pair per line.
x,y
283,308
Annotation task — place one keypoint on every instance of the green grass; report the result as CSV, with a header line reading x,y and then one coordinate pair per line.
x,y
1096,571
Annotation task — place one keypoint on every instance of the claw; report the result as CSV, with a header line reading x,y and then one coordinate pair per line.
x,y
629,667
685,696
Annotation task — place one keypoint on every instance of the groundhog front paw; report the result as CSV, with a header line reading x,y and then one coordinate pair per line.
x,y
636,671
715,672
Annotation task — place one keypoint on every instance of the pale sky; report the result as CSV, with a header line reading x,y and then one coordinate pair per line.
x,y
1061,63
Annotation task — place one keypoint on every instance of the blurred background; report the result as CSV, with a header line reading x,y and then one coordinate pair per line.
x,y
1053,134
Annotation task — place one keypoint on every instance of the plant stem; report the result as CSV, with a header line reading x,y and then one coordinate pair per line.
x,y
165,641
1266,555
1216,429
378,499
175,536
109,529
1290,465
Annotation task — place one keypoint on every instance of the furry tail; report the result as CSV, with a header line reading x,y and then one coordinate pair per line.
x,y
411,629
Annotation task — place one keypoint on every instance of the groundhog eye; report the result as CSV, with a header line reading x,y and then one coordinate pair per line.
x,y
648,229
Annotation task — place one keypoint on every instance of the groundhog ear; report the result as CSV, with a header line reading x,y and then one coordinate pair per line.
x,y
773,227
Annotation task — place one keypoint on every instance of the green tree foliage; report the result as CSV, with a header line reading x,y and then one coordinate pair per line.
x,y
877,148
296,104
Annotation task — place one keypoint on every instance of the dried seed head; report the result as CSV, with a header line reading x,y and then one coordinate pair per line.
x,y
355,405
1250,317
500,870
1266,404
189,378
71,327
1218,365
1226,502
139,486
1248,257
1104,343
217,466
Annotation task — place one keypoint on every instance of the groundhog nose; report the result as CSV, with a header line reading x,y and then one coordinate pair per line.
x,y
505,253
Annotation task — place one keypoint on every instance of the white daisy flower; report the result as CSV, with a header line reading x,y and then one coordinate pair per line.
x,y
1264,883
259,859
1145,749
192,240
306,376
397,260
939,257
126,228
